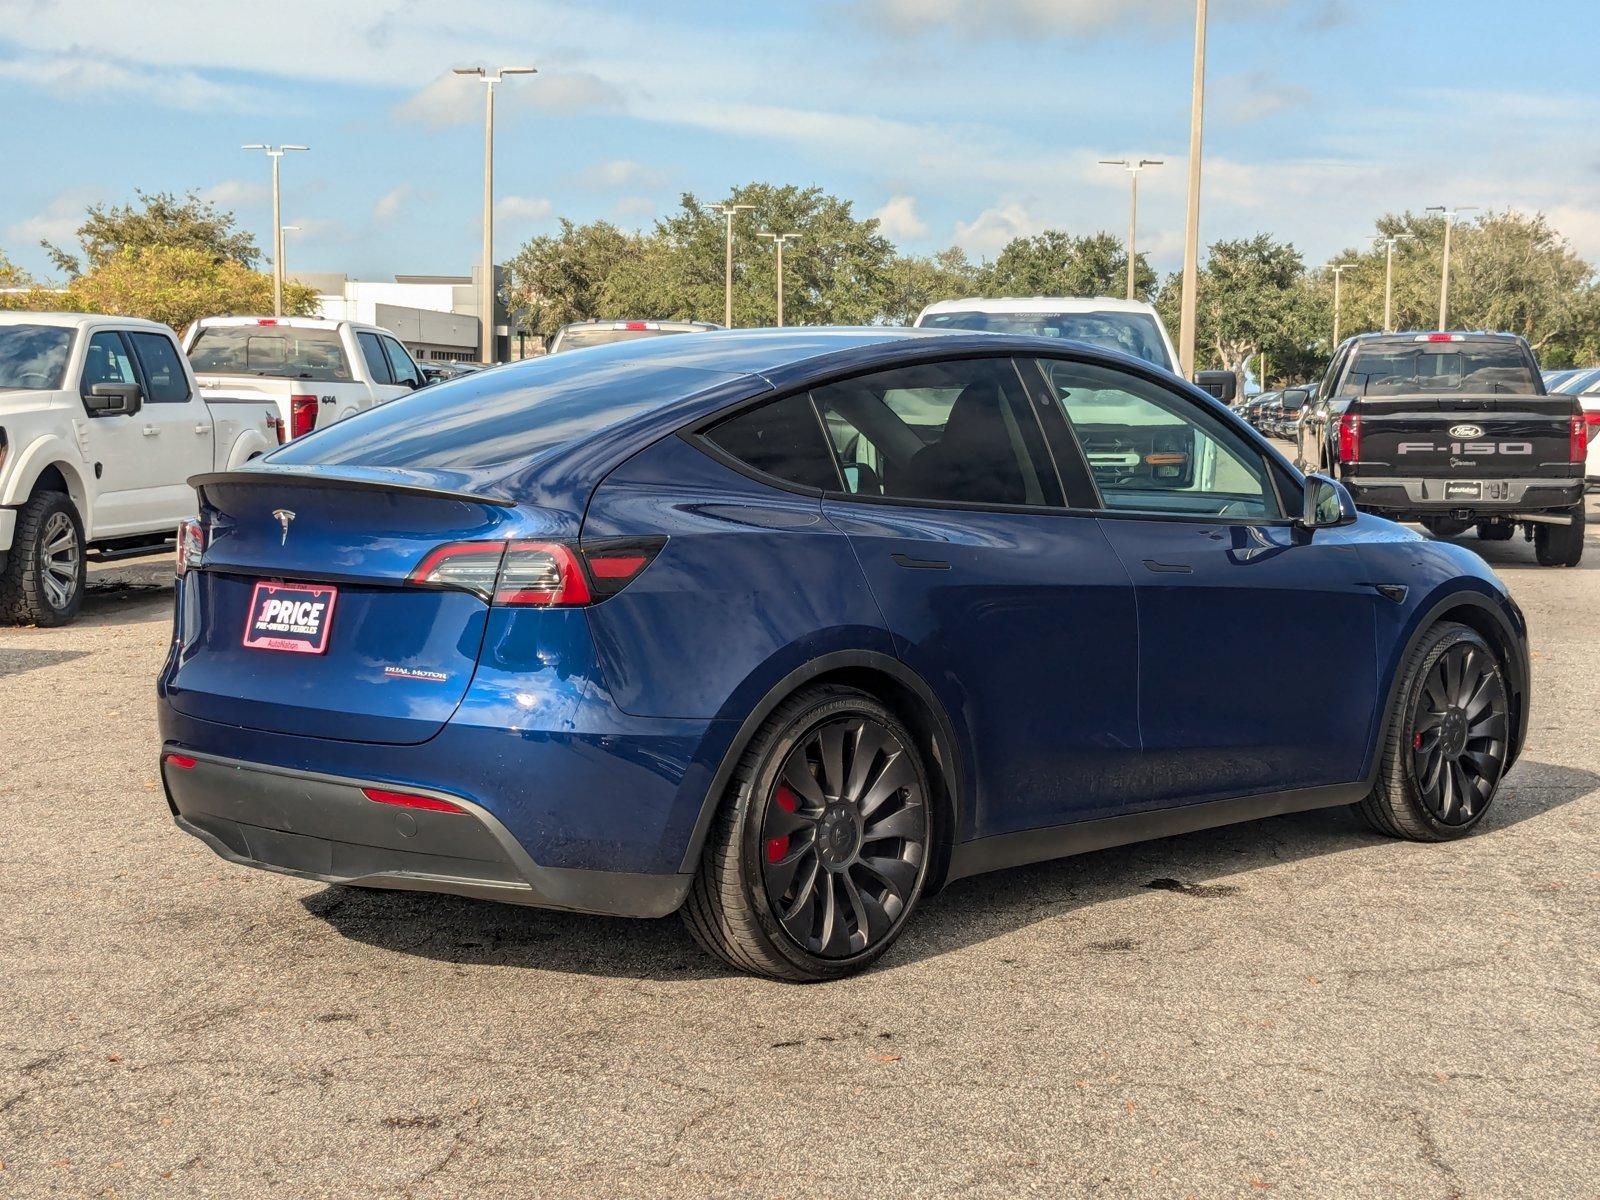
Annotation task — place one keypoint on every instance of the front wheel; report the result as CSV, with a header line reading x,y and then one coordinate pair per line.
x,y
46,571
821,850
1447,742
1560,545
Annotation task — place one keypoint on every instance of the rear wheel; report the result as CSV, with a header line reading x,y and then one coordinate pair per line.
x,y
1446,527
45,572
820,852
1447,742
1560,545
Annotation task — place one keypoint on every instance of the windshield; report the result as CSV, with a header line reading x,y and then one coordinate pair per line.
x,y
281,351
1416,368
1130,332
578,339
33,356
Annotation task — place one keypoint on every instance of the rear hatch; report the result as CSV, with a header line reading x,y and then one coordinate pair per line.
x,y
395,660
1478,437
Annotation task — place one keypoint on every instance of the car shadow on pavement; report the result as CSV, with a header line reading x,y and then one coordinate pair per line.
x,y
472,932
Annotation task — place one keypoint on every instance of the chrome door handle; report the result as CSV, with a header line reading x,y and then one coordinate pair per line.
x,y
151,431
202,428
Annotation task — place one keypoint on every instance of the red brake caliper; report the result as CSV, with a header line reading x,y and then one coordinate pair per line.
x,y
779,846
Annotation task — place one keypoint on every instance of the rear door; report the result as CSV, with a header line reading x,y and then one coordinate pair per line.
x,y
1017,612
1241,617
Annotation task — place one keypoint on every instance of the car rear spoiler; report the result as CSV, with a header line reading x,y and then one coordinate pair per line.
x,y
281,477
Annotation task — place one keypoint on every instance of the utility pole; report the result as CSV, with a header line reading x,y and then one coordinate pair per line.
x,y
729,211
779,240
1132,167
276,153
1191,225
1450,215
486,288
1263,380
1338,277
283,242
1389,241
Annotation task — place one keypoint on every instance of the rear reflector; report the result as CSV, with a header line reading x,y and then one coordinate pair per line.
x,y
1350,437
302,415
409,800
183,762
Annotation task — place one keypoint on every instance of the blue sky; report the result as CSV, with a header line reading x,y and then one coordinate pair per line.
x,y
958,121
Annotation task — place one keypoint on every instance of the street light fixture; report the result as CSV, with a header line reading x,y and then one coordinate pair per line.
x,y
1389,242
1338,277
276,153
486,293
1132,167
1191,225
728,211
1450,215
779,241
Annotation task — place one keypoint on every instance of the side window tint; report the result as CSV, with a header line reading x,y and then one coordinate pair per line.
x,y
1152,450
782,439
954,431
372,355
163,372
107,361
400,364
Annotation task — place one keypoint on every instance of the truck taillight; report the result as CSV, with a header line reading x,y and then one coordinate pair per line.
x,y
302,415
1350,437
1578,442
1591,425
275,427
536,574
191,546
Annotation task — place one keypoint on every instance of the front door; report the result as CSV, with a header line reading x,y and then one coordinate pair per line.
x,y
1018,614
1257,659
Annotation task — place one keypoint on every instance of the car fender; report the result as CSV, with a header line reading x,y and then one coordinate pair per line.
x,y
40,455
252,443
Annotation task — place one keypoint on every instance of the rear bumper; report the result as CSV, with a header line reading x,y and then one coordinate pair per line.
x,y
323,827
1508,496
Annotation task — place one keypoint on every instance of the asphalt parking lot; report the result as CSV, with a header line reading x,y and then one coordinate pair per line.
x,y
1295,1006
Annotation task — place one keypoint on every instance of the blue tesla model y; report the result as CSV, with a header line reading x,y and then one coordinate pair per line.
x,y
783,630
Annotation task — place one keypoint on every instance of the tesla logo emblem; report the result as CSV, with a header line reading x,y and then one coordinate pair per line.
x,y
284,518
1465,432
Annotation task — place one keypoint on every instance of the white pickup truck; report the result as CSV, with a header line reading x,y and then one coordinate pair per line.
x,y
316,371
101,425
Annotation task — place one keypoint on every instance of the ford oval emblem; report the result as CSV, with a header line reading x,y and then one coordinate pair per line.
x,y
1465,431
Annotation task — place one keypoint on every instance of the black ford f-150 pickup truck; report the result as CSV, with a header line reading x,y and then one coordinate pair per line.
x,y
1453,430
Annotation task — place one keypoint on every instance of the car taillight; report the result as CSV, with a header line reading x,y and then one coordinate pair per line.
x,y
410,800
1350,437
191,546
1578,442
1591,425
525,574
302,415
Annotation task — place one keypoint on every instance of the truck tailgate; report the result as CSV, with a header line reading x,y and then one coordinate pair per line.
x,y
1484,437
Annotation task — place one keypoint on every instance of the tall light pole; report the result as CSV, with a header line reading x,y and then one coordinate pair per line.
x,y
779,241
1450,215
728,211
1191,225
276,153
486,295
284,246
1132,167
1338,277
1389,241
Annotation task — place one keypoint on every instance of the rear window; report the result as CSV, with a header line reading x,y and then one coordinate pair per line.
x,y
1427,368
280,351
1130,332
33,356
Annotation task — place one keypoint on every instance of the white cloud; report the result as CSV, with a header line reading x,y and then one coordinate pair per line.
x,y
1256,95
81,77
898,220
618,173
57,223
991,229
1029,18
234,193
522,208
391,202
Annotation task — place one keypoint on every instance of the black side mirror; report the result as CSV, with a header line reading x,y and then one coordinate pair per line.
x,y
1224,385
1327,504
114,399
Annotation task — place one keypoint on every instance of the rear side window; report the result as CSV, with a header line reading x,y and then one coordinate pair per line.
x,y
279,351
163,371
782,439
372,354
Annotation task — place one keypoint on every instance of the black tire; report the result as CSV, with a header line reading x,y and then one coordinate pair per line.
x,y
785,887
1495,531
1560,545
1453,710
1446,527
46,570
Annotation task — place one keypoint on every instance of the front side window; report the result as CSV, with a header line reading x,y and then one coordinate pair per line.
x,y
163,371
400,364
277,351
372,355
959,432
1151,450
781,439
107,361
33,356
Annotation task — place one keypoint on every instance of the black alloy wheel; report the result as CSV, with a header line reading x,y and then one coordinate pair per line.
x,y
1459,730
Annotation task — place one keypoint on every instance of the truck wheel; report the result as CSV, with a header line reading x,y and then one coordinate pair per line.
x,y
45,574
1446,527
1495,531
1560,545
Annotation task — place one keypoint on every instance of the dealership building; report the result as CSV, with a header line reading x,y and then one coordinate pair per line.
x,y
436,316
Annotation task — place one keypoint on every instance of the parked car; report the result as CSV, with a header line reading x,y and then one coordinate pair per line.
x,y
1251,411
1585,385
580,335
788,628
316,371
1453,430
101,425
439,371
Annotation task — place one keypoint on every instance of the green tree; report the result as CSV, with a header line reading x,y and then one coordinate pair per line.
x,y
568,276
155,219
177,285
1056,263
916,281
11,275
